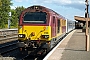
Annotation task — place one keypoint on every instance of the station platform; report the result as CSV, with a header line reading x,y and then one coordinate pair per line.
x,y
73,47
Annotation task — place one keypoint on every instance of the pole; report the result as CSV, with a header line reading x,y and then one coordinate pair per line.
x,y
87,35
9,22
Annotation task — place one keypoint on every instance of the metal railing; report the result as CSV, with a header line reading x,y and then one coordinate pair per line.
x,y
8,32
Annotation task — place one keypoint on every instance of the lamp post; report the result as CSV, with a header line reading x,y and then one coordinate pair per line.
x,y
87,18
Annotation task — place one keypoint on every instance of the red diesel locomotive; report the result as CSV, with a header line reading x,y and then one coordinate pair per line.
x,y
40,27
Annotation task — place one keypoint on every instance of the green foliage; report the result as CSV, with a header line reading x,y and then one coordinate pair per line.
x,y
4,10
19,10
4,14
0,3
14,19
15,14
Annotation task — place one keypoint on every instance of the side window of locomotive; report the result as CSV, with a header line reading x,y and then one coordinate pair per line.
x,y
58,26
35,17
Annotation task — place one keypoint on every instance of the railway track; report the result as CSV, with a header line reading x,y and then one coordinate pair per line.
x,y
10,49
8,39
7,47
42,56
33,56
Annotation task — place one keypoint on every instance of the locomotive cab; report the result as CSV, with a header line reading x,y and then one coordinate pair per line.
x,y
35,26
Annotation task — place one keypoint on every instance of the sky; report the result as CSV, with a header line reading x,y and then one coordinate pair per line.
x,y
66,8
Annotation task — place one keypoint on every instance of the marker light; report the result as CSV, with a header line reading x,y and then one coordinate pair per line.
x,y
36,7
44,28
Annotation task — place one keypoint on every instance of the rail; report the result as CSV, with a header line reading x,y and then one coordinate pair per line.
x,y
7,48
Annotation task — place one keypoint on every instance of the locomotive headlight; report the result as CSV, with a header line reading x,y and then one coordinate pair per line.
x,y
21,35
45,36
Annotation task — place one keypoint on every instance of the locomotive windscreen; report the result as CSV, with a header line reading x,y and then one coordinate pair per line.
x,y
35,17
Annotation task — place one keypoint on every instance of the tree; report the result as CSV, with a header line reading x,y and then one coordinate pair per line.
x,y
19,10
0,3
4,14
15,14
4,10
14,19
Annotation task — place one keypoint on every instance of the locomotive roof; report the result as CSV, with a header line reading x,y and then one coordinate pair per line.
x,y
47,9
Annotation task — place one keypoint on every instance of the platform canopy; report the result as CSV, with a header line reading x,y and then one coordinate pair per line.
x,y
80,18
